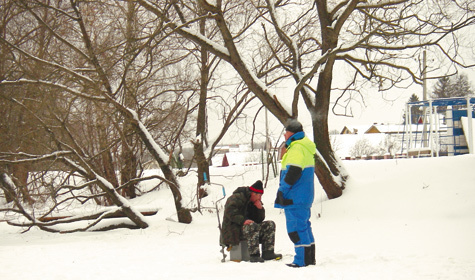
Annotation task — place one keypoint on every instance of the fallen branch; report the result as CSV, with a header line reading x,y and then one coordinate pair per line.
x,y
118,214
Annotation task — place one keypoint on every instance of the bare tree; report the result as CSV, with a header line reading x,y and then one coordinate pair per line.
x,y
378,41
362,147
219,94
92,67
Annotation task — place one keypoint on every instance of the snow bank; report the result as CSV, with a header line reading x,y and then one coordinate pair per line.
x,y
398,219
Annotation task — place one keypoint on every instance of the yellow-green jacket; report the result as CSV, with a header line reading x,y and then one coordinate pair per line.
x,y
296,188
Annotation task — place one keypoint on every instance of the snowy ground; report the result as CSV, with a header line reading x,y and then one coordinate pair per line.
x,y
398,219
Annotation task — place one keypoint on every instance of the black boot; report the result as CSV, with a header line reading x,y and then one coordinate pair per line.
x,y
256,258
310,255
293,265
314,261
270,255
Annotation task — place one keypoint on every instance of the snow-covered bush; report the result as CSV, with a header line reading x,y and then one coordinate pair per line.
x,y
363,147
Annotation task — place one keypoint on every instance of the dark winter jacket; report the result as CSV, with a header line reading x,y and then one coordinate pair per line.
x,y
296,187
237,209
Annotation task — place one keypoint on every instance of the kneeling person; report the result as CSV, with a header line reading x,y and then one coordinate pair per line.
x,y
244,220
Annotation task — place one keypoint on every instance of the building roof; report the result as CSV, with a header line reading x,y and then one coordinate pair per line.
x,y
359,129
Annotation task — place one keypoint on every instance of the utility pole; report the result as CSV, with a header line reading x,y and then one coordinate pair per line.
x,y
424,98
424,76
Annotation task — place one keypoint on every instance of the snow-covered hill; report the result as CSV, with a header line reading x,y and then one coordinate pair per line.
x,y
398,219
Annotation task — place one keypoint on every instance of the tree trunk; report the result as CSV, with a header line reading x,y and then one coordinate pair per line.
x,y
109,174
184,215
105,163
324,166
203,168
129,159
201,130
20,173
327,167
129,162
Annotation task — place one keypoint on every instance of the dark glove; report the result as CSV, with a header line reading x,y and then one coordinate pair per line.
x,y
281,200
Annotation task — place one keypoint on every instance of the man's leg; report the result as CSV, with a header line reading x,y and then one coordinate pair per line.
x,y
267,235
251,234
267,238
310,252
297,221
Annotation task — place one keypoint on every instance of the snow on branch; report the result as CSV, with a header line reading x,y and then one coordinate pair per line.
x,y
212,46
229,52
9,187
382,4
51,84
340,16
320,64
31,158
148,136
112,193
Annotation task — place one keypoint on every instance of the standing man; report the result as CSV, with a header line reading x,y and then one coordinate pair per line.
x,y
243,219
296,192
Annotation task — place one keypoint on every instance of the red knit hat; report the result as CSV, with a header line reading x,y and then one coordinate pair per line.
x,y
257,187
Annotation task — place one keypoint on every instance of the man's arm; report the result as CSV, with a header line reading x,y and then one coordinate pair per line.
x,y
293,174
234,211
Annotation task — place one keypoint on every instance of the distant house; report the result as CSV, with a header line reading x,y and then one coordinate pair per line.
x,y
360,129
347,130
236,154
373,129
377,134
391,129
